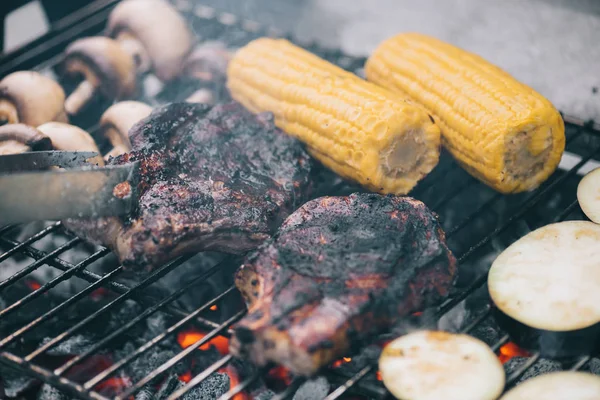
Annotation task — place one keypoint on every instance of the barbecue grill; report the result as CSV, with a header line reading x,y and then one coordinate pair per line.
x,y
479,223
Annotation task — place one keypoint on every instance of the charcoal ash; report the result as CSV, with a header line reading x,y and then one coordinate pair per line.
x,y
48,392
593,366
14,384
74,345
211,388
542,366
314,389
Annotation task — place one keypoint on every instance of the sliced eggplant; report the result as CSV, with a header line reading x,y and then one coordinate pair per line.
x,y
546,289
588,194
434,365
564,385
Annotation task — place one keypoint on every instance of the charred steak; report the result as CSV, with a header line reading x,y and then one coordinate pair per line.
x,y
214,178
339,271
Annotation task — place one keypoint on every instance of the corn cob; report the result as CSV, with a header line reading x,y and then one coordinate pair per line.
x,y
500,130
357,129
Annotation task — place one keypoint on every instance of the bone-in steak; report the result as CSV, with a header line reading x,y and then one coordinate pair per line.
x,y
214,178
339,271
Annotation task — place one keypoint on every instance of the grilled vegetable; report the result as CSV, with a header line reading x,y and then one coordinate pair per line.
x,y
588,194
545,289
430,365
500,130
565,385
357,129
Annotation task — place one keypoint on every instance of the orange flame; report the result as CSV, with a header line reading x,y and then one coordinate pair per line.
x,y
280,374
113,385
213,307
343,360
191,336
510,350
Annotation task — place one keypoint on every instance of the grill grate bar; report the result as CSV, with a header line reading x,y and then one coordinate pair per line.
x,y
49,285
59,308
198,379
243,385
582,362
289,391
512,378
181,355
28,241
525,208
150,344
159,273
98,345
37,264
482,317
503,340
337,393
455,192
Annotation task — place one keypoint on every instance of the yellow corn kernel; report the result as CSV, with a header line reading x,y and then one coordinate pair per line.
x,y
357,129
500,130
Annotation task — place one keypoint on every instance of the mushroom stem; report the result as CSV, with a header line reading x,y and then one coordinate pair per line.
x,y
201,96
120,146
136,49
19,138
80,96
8,112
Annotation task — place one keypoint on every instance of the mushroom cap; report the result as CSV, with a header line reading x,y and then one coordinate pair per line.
x,y
70,138
36,98
104,64
19,138
159,27
119,118
208,62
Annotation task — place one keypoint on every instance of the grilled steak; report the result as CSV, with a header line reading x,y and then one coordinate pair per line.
x,y
214,178
339,271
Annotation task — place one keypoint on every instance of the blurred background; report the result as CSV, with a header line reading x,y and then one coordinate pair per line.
x,y
552,45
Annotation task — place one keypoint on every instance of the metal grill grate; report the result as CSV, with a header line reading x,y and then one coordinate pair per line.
x,y
477,220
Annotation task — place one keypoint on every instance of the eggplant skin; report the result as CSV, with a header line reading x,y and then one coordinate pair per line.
x,y
550,344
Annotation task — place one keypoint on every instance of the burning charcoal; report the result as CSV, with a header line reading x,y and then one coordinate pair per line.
x,y
266,394
594,366
170,384
488,332
156,324
48,392
14,383
151,360
72,346
314,389
211,388
542,366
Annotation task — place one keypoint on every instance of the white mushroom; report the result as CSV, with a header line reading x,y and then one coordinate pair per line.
x,y
70,138
20,138
564,385
31,98
116,122
105,67
154,33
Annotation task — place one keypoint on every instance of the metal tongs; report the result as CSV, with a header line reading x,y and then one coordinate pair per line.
x,y
29,191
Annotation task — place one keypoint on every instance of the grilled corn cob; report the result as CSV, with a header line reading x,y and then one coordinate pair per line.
x,y
501,131
357,129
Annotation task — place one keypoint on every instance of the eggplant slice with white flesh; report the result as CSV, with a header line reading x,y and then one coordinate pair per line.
x,y
546,289
588,194
434,365
565,385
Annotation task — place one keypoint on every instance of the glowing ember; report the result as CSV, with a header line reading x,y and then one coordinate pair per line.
x,y
280,374
417,314
33,285
113,385
186,377
99,293
379,378
213,307
234,380
510,350
338,363
189,337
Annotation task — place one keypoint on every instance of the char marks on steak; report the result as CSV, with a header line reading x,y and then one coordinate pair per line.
x,y
211,178
339,271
